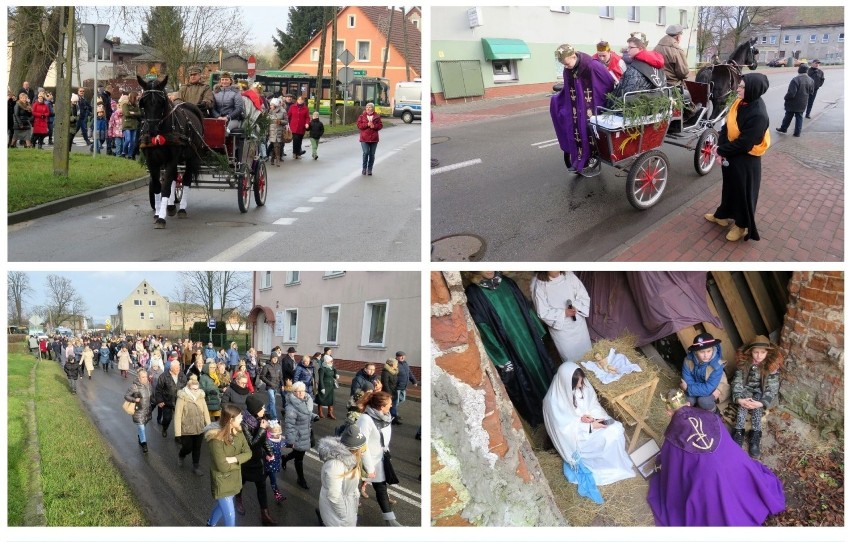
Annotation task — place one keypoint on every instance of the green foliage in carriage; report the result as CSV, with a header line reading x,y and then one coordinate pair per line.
x,y
637,108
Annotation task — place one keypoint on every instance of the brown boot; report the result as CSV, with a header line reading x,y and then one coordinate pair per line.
x,y
331,412
321,415
266,519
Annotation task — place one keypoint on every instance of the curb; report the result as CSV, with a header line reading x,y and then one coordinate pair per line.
x,y
63,204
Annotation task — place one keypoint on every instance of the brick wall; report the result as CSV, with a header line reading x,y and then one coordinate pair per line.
x,y
484,471
812,340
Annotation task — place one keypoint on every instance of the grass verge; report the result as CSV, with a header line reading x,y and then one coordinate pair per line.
x,y
80,485
31,180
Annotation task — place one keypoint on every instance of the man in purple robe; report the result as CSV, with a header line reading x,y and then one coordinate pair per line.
x,y
586,83
704,478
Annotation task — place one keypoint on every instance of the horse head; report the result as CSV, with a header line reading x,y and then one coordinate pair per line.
x,y
751,57
154,104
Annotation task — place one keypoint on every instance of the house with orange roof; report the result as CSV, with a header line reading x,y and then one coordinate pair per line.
x,y
362,30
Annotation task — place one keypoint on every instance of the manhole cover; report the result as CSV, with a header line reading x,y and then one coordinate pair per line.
x,y
458,248
439,139
231,224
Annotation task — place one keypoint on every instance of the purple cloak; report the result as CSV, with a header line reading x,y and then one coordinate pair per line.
x,y
706,480
570,114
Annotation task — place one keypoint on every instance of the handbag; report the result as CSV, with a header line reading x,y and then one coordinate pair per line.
x,y
129,407
287,136
390,474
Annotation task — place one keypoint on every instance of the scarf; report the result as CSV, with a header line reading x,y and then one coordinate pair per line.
x,y
392,369
734,130
491,283
381,419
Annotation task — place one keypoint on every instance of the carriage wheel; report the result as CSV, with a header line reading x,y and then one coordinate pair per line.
x,y
243,189
647,179
705,155
178,188
260,184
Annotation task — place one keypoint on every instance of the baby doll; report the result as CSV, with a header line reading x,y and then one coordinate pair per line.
x,y
602,362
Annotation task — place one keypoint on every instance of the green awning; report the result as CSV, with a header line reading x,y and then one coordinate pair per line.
x,y
505,49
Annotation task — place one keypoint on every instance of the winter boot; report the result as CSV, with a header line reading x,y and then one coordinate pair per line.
x,y
144,447
321,413
754,444
279,497
300,473
390,519
739,434
266,519
331,412
238,504
196,470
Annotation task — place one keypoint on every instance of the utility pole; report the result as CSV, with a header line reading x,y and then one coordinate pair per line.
x,y
62,105
333,75
387,43
405,45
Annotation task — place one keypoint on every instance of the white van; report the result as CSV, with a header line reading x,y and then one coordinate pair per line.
x,y
407,98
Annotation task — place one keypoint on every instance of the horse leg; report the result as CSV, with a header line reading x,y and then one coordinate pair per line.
x,y
166,188
189,175
154,186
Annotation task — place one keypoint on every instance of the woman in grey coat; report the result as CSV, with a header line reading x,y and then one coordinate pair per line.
x,y
341,476
298,417
140,393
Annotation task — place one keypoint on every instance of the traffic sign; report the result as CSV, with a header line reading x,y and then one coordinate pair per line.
x,y
359,73
346,57
211,323
252,66
345,74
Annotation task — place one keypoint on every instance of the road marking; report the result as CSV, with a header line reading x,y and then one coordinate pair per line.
x,y
317,199
231,254
303,209
357,175
543,142
285,221
460,165
548,145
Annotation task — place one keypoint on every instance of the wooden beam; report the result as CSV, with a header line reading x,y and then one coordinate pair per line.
x,y
686,335
735,304
728,350
762,300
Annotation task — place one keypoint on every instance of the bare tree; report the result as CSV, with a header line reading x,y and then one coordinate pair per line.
x,y
17,292
63,303
234,287
181,295
321,63
202,287
225,290
387,42
34,33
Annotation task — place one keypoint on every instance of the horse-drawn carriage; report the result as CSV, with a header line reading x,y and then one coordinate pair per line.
x,y
182,148
633,144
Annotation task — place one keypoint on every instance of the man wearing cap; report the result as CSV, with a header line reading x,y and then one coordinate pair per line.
x,y
613,62
703,373
404,377
586,83
197,92
676,67
819,78
796,101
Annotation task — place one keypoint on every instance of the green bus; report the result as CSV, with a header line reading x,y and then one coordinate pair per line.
x,y
361,90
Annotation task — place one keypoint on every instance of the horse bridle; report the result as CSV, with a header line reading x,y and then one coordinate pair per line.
x,y
159,121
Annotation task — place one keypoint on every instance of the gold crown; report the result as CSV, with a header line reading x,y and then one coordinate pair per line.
x,y
563,51
673,399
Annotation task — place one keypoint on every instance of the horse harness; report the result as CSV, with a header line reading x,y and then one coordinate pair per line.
x,y
174,132
734,73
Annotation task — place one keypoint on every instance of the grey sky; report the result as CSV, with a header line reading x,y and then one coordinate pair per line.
x,y
103,290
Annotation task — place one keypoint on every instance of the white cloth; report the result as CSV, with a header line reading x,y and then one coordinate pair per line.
x,y
617,361
603,451
551,299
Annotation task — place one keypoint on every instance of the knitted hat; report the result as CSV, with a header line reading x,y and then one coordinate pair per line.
x,y
352,437
255,403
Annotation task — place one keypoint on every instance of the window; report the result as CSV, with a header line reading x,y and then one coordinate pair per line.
x,y
505,71
786,38
633,14
416,23
840,37
773,39
314,54
798,38
341,45
350,21
813,38
266,280
137,302
560,9
825,38
145,291
684,18
152,302
606,12
291,319
363,48
141,315
150,316
375,321
382,58
661,16
330,318
292,277
332,274
762,39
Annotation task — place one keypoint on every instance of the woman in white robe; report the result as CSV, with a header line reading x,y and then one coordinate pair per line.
x,y
571,409
567,325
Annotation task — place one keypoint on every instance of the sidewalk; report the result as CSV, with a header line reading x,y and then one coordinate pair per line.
x,y
799,212
460,113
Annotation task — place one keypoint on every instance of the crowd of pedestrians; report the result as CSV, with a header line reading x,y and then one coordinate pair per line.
x,y
206,395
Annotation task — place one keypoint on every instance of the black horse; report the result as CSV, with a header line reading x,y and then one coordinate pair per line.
x,y
725,77
171,134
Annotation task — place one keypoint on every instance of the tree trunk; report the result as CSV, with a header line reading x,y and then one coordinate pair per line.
x,y
321,63
35,33
405,46
334,53
387,44
62,96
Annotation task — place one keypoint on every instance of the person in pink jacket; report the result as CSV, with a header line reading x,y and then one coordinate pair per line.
x,y
300,119
369,123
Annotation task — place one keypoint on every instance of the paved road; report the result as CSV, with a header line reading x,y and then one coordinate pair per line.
x,y
322,210
173,496
518,197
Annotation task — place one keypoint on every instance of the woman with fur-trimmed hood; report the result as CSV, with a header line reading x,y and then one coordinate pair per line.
x,y
755,388
341,476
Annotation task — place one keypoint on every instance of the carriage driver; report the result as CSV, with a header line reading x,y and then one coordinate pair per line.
x,y
676,66
196,92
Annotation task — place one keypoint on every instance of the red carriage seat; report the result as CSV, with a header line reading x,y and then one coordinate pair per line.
x,y
214,133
